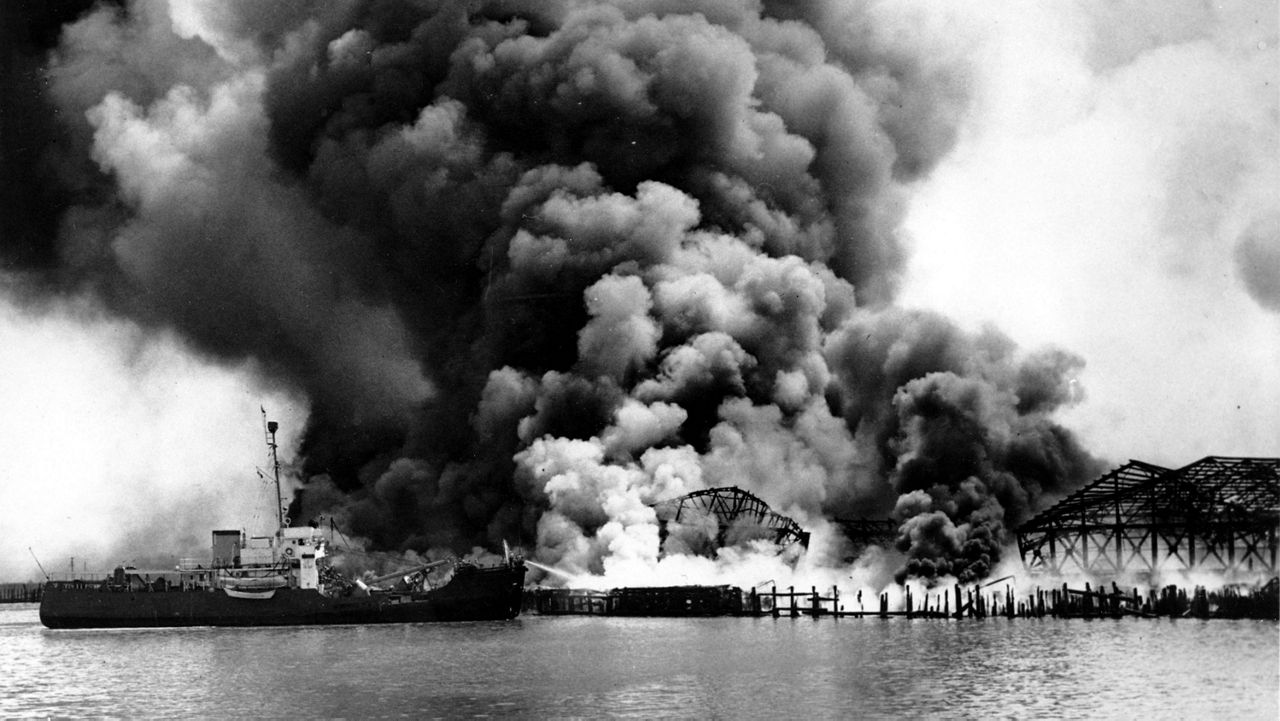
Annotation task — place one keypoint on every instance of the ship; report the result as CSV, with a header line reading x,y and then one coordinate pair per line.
x,y
283,579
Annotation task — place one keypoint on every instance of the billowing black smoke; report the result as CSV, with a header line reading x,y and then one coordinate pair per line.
x,y
537,264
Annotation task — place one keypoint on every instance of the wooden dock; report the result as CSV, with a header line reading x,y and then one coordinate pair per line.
x,y
974,602
20,592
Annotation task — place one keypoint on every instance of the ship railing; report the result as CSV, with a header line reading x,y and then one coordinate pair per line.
x,y
94,576
191,564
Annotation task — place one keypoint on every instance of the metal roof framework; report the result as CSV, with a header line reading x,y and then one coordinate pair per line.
x,y
1217,514
730,505
870,531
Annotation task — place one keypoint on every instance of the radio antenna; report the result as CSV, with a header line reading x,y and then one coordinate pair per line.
x,y
271,427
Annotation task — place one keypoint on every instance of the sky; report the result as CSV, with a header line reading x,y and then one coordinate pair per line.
x,y
1111,192
1098,202
104,421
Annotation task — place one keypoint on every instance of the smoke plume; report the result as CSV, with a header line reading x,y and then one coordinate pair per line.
x,y
538,265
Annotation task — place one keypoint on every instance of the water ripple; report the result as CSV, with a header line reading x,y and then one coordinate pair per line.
x,y
584,667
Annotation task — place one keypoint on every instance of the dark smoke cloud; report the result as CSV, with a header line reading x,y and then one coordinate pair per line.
x,y
34,191
1257,258
539,265
955,434
970,467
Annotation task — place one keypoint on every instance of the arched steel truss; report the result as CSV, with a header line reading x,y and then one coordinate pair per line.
x,y
1217,514
728,506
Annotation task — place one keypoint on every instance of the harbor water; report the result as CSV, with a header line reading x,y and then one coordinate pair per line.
x,y
581,666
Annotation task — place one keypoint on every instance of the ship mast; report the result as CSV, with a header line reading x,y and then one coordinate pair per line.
x,y
271,427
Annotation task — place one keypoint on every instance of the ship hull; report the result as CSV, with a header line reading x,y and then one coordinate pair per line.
x,y
474,594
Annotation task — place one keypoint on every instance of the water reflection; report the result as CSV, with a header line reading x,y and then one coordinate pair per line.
x,y
673,668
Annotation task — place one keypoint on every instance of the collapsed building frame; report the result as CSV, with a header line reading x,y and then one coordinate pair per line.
x,y
1218,514
728,506
864,532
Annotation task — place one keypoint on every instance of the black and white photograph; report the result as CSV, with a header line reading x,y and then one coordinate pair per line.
x,y
712,359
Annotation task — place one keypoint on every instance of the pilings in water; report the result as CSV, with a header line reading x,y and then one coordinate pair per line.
x,y
20,592
973,602
793,603
1064,602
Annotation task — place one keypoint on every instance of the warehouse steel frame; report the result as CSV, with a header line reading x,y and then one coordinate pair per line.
x,y
863,532
1217,514
728,506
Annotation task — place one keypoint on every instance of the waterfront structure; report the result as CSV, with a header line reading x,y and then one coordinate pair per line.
x,y
729,507
866,532
1219,514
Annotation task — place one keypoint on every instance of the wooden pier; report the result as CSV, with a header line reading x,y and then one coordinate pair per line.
x,y
1061,602
20,592
974,602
